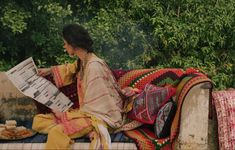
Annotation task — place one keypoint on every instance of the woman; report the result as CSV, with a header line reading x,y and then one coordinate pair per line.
x,y
100,98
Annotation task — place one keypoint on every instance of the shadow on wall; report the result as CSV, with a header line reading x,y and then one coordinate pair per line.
x,y
17,108
13,104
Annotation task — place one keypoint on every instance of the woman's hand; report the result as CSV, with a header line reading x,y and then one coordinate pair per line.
x,y
44,71
91,135
129,91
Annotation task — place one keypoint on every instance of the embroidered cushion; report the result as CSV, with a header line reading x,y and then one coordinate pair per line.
x,y
148,102
165,116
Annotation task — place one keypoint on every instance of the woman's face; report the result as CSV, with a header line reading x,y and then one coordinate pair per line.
x,y
70,50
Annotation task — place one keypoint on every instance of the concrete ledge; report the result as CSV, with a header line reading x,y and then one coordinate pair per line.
x,y
13,104
194,120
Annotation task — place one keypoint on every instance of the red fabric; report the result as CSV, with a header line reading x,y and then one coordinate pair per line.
x,y
119,73
146,140
225,109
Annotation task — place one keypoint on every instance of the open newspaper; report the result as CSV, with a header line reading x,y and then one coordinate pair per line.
x,y
24,77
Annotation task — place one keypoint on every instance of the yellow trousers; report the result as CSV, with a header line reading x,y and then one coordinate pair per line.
x,y
57,139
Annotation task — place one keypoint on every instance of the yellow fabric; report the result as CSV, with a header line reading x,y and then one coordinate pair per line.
x,y
64,74
57,139
99,140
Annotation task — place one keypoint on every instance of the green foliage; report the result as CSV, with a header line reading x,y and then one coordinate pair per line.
x,y
118,39
196,34
127,34
15,18
32,28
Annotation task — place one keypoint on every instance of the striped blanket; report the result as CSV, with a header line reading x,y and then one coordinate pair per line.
x,y
182,80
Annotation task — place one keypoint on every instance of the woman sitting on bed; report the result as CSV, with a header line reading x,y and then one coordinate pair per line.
x,y
100,98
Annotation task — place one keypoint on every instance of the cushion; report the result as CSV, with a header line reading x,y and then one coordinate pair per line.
x,y
148,102
165,116
224,102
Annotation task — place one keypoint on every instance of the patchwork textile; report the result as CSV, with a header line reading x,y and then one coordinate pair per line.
x,y
224,102
147,103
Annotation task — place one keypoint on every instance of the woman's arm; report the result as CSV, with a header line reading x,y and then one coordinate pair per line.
x,y
64,74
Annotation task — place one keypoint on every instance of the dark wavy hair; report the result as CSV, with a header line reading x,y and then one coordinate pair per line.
x,y
77,36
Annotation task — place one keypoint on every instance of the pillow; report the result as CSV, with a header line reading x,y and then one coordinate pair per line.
x,y
165,116
148,102
224,102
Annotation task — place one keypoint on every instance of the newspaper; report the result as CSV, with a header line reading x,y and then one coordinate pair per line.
x,y
24,77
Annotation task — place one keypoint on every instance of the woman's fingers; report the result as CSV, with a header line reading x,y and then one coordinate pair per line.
x,y
129,91
136,90
44,71
91,135
40,73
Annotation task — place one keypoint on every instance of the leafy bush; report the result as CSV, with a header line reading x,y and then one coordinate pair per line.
x,y
128,34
